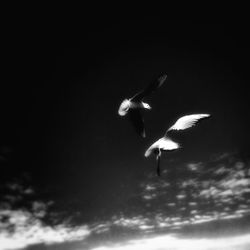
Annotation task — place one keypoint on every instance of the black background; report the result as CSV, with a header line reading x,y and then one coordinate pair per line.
x,y
62,85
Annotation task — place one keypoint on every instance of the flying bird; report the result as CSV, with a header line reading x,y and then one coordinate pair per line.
x,y
135,104
166,144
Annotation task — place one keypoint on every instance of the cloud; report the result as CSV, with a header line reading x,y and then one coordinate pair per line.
x,y
174,243
20,229
188,194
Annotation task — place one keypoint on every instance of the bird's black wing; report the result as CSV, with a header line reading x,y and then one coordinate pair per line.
x,y
150,89
137,120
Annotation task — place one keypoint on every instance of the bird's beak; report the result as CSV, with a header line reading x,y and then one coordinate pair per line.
x,y
143,134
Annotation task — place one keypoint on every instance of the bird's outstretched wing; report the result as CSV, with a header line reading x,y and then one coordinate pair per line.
x,y
187,121
137,121
150,89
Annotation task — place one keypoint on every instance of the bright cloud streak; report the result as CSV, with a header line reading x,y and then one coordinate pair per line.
x,y
169,242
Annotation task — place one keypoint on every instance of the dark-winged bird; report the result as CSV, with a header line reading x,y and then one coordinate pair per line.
x,y
166,144
135,104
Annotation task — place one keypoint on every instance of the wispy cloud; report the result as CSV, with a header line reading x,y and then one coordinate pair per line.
x,y
191,194
20,229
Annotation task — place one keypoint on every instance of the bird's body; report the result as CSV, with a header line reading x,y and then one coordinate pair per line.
x,y
135,104
128,104
166,144
163,144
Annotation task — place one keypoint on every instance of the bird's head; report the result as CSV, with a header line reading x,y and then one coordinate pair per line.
x,y
124,107
149,151
146,105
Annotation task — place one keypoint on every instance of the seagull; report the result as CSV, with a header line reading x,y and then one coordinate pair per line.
x,y
166,144
134,104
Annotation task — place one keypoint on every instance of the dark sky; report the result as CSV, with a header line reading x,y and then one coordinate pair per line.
x,y
64,85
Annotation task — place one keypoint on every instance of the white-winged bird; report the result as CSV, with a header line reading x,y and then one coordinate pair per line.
x,y
166,144
133,105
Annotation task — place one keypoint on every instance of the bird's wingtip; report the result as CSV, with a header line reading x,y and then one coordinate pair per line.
x,y
163,77
206,115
